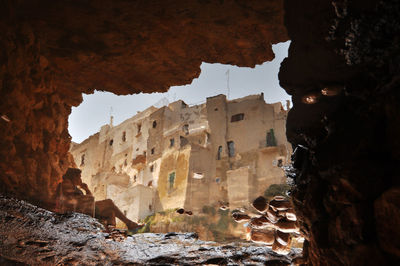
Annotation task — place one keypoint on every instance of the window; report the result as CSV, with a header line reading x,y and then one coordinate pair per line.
x,y
171,180
237,117
271,141
171,142
139,128
154,124
152,150
231,148
124,136
134,178
83,159
219,153
280,163
183,141
198,175
111,142
152,168
185,129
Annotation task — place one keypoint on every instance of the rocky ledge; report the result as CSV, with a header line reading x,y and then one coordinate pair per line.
x,y
31,235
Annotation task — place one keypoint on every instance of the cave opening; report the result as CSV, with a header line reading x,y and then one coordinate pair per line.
x,y
245,119
346,196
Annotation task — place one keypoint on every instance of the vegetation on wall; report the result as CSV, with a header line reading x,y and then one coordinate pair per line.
x,y
211,223
277,190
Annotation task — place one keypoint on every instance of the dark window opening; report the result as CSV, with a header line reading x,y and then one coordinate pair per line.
x,y
171,142
231,148
134,178
150,207
154,124
171,180
237,117
151,168
216,109
139,128
280,163
183,141
152,150
111,142
150,183
185,129
219,153
271,141
83,159
124,136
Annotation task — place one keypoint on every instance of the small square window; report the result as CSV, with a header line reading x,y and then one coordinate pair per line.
x,y
152,150
154,124
171,142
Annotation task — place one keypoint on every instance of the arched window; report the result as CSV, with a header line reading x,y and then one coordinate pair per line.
x,y
231,148
219,153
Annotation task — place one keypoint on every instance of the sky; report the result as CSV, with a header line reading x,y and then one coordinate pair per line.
x,y
95,110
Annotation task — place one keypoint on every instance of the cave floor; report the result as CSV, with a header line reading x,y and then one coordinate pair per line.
x,y
35,236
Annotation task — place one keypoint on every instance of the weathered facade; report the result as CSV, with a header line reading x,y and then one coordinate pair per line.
x,y
187,156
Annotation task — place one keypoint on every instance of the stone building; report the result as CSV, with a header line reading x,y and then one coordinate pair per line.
x,y
187,156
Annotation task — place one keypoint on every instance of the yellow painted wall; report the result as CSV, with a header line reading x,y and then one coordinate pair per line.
x,y
177,161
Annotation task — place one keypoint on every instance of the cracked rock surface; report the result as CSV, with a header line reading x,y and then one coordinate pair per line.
x,y
31,235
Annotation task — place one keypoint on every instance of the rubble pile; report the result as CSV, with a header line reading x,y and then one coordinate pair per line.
x,y
274,225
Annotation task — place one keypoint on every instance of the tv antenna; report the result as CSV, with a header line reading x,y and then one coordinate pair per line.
x,y
227,82
111,116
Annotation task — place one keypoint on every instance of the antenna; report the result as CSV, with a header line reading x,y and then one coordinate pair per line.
x,y
111,116
227,82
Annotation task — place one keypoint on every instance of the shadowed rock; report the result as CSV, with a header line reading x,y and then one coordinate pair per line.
x,y
260,204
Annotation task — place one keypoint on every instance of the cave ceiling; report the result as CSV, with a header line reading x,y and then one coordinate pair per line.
x,y
145,46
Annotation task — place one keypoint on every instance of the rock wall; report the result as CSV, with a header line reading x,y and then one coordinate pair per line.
x,y
342,72
51,52
343,62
